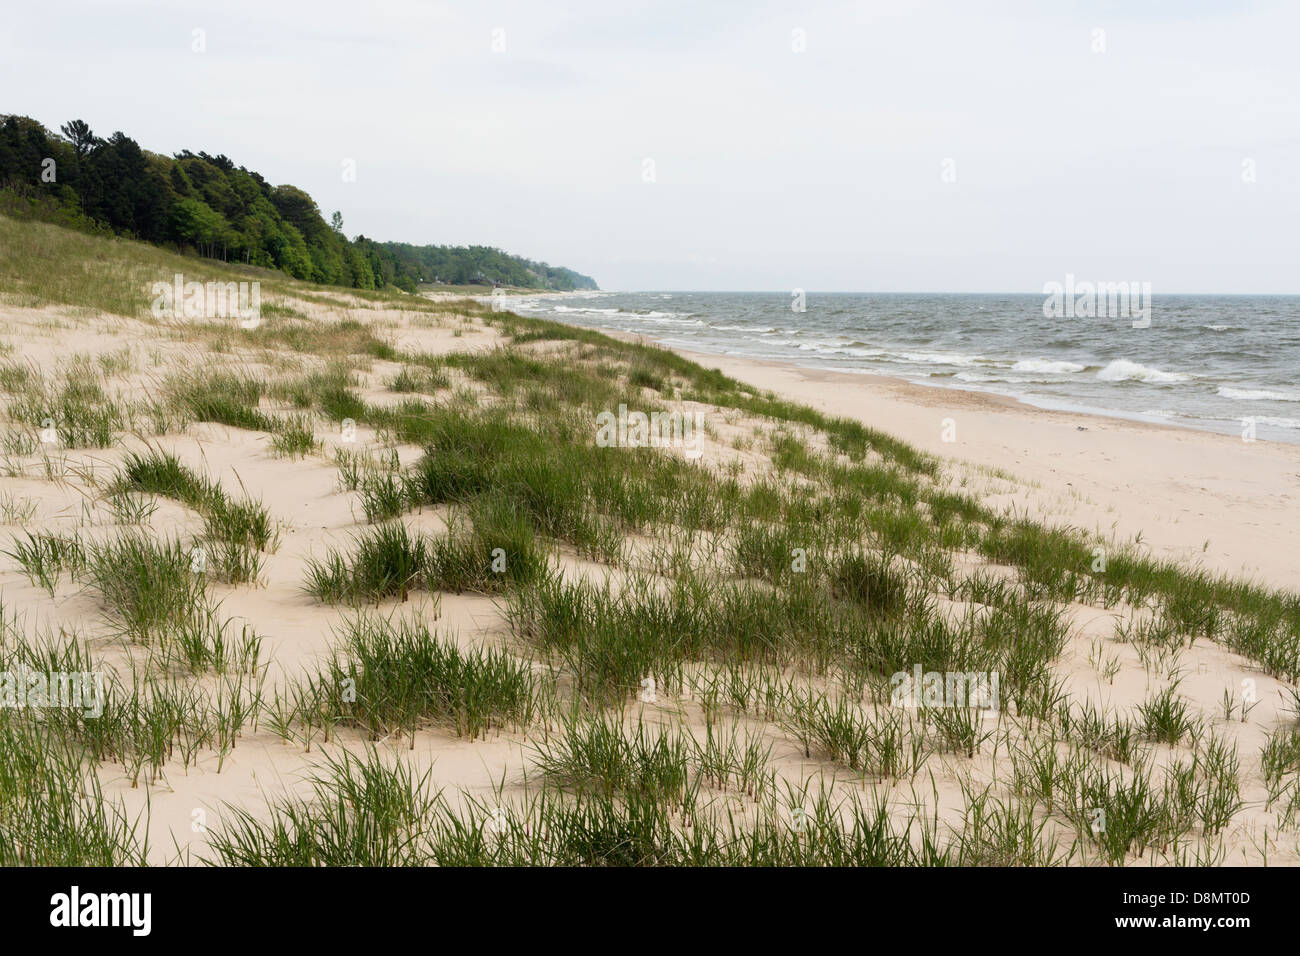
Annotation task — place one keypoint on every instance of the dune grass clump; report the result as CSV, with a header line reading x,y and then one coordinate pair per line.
x,y
44,557
235,533
491,548
318,387
150,585
410,421
294,437
1280,764
396,677
1104,733
871,580
84,417
646,378
570,490
245,523
142,720
611,638
386,561
157,590
637,831
383,495
600,755
1054,564
363,812
16,377
426,380
882,743
163,473
463,451
79,414
357,468
1166,717
53,810
770,551
338,402
225,397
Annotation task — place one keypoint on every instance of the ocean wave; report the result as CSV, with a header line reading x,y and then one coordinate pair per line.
x,y
666,320
942,358
1047,365
1122,370
659,318
831,348
1257,394
995,378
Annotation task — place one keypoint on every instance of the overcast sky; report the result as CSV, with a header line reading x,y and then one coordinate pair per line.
x,y
1126,154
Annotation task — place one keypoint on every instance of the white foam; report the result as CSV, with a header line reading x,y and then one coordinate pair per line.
x,y
1047,365
1257,394
1122,370
940,358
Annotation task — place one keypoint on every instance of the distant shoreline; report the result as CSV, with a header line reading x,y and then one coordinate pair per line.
x,y
487,292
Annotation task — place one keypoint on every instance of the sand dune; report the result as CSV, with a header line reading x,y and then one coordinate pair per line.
x,y
1202,500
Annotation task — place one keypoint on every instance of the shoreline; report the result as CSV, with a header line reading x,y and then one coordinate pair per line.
x,y
1193,496
1219,401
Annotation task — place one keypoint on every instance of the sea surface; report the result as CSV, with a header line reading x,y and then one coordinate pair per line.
x,y
1219,363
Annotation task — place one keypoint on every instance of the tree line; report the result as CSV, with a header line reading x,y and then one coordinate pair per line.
x,y
223,211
